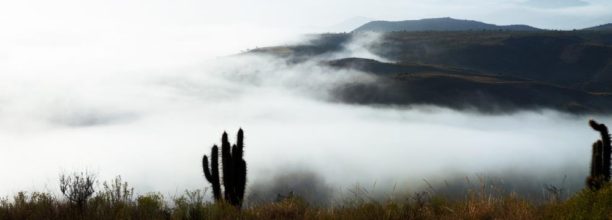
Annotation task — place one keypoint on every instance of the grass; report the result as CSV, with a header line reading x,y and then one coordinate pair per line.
x,y
117,201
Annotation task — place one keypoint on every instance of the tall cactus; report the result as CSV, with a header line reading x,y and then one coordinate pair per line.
x,y
234,170
600,160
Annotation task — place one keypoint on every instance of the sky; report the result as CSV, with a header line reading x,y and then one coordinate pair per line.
x,y
143,88
65,20
38,36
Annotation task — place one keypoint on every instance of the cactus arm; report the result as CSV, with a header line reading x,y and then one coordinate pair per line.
x,y
606,148
240,143
212,172
226,158
238,149
214,154
206,169
603,131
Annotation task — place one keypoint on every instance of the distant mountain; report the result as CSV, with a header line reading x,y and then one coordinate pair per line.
x,y
603,27
437,24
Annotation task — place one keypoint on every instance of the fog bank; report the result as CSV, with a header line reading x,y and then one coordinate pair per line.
x,y
151,116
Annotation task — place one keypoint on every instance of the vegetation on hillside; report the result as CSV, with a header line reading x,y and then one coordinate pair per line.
x,y
117,201
487,71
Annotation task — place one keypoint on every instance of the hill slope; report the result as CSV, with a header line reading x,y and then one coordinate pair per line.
x,y
429,85
491,71
603,27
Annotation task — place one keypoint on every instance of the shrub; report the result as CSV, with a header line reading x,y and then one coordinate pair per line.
x,y
78,188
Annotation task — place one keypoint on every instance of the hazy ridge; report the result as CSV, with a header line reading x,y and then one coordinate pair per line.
x,y
437,24
450,24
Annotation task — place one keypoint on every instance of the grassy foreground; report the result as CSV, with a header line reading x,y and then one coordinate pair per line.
x,y
117,201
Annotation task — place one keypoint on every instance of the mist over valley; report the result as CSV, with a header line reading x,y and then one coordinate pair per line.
x,y
382,112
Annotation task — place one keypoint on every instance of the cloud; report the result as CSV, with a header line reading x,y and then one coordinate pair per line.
x,y
556,3
91,117
140,102
307,184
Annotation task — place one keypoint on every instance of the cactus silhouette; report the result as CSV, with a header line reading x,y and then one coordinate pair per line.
x,y
212,174
234,170
600,159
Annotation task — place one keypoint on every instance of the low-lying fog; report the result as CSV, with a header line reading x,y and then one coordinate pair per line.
x,y
80,107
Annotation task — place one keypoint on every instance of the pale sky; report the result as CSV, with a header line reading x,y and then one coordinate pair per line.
x,y
190,30
240,24
298,13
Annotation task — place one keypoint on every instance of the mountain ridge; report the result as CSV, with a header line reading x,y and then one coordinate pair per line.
x,y
438,24
452,24
603,27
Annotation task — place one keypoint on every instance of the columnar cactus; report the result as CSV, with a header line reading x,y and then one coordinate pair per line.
x,y
600,160
234,170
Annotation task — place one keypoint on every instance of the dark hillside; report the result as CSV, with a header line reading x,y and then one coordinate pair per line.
x,y
490,71
566,59
401,84
483,94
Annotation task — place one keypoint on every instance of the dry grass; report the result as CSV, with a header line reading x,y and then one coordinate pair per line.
x,y
116,201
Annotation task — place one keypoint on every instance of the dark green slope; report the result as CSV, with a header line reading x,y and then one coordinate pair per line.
x,y
400,84
574,60
489,71
483,94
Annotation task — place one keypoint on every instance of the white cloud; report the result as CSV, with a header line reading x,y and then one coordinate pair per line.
x,y
152,127
121,87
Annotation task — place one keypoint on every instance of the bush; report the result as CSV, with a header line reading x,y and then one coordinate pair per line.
x,y
77,188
